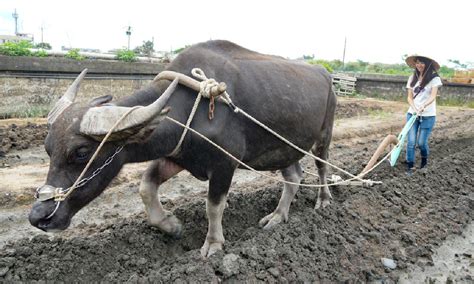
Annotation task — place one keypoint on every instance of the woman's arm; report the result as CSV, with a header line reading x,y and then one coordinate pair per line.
x,y
411,101
431,99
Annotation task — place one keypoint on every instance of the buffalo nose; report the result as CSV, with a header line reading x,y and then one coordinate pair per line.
x,y
37,214
34,217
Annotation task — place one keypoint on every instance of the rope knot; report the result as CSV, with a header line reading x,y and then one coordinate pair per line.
x,y
209,88
206,88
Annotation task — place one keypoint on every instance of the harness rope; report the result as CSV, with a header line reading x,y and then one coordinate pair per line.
x,y
206,86
205,90
263,174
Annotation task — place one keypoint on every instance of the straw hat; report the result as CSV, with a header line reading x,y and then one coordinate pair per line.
x,y
410,60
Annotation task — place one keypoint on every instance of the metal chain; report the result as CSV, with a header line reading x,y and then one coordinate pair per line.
x,y
84,181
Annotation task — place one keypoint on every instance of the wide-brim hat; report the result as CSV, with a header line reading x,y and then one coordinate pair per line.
x,y
410,60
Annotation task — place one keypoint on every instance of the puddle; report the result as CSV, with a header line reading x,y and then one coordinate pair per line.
x,y
453,262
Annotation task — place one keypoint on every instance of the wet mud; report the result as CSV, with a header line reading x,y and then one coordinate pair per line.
x,y
20,137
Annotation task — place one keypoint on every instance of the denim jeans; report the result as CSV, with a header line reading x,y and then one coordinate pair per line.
x,y
418,135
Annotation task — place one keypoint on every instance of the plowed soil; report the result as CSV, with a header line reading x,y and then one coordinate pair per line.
x,y
404,221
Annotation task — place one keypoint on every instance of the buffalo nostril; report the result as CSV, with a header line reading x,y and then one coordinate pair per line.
x,y
43,226
34,219
37,214
38,221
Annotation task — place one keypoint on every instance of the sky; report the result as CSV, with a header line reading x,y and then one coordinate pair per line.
x,y
375,31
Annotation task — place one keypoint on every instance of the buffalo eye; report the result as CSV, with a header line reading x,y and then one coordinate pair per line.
x,y
81,154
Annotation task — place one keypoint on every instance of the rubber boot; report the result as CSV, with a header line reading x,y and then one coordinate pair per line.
x,y
424,162
409,168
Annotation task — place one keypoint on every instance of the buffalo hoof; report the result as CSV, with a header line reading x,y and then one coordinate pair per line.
x,y
324,198
321,204
169,225
209,249
271,220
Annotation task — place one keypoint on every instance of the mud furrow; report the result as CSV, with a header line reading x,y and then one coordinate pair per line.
x,y
404,219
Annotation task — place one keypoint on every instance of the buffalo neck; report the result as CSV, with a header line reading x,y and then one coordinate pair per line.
x,y
143,97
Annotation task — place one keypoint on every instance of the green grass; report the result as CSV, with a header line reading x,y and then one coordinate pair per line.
x,y
357,95
453,102
378,113
25,111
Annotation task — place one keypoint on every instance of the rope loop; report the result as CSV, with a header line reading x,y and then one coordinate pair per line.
x,y
199,74
210,89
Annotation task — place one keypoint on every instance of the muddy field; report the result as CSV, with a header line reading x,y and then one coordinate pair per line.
x,y
423,224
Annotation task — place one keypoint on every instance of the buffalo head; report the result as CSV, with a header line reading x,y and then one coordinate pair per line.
x,y
75,131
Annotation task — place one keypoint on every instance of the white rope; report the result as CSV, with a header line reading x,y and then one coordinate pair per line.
x,y
188,123
206,84
205,87
294,146
198,73
249,167
60,196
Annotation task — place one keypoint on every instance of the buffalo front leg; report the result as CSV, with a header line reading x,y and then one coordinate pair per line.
x,y
216,200
157,173
292,174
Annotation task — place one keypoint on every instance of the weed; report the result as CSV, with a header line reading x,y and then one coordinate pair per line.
x,y
126,55
378,113
25,111
74,54
456,102
21,48
40,53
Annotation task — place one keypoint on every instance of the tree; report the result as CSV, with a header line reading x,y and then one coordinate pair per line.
x,y
176,51
458,64
147,48
43,45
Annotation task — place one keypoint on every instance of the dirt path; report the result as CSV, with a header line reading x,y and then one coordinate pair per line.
x,y
406,219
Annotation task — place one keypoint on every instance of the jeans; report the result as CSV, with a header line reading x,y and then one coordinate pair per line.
x,y
418,135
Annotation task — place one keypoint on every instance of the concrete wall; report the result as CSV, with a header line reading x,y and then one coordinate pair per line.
x,y
393,88
29,64
29,86
23,96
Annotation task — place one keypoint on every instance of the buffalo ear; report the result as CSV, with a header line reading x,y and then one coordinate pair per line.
x,y
98,101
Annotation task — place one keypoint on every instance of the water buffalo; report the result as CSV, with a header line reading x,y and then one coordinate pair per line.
x,y
295,99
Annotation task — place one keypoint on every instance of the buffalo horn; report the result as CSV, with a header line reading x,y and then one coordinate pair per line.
x,y
98,121
67,99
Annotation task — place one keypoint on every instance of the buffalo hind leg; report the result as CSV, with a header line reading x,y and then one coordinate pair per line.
x,y
293,174
219,184
324,195
157,173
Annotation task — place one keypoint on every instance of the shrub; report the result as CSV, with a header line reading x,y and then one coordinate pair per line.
x,y
21,48
176,51
40,53
323,63
43,45
126,55
74,54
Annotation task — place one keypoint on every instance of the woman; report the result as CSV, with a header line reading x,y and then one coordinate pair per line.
x,y
422,90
